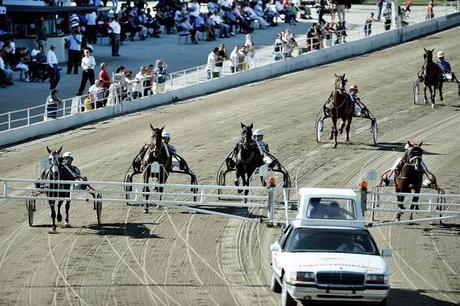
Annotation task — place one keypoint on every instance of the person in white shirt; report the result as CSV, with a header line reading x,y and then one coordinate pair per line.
x,y
115,30
235,59
91,27
211,68
98,93
52,62
87,63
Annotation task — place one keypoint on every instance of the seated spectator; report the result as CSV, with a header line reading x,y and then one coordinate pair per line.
x,y
244,21
22,62
185,26
218,23
99,93
152,23
291,15
88,103
252,14
271,14
6,74
213,6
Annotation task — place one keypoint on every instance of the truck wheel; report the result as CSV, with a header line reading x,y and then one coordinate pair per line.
x,y
274,285
286,298
384,302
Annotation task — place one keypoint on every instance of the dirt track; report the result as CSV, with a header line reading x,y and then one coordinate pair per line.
x,y
173,258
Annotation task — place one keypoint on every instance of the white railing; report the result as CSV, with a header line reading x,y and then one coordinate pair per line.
x,y
195,75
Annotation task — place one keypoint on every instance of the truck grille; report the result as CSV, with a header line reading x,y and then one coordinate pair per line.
x,y
340,278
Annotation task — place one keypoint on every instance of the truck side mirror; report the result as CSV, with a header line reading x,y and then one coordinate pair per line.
x,y
387,252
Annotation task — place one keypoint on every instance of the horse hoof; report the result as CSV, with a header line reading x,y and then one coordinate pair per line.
x,y
432,105
146,210
66,224
59,217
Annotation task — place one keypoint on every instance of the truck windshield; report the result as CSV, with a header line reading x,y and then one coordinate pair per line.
x,y
305,239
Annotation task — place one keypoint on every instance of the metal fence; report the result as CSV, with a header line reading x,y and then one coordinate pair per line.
x,y
199,74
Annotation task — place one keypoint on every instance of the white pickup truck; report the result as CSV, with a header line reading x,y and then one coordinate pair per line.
x,y
327,254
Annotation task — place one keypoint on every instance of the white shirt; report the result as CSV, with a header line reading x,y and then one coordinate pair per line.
x,y
34,52
2,64
194,9
51,58
91,18
88,62
96,91
234,58
211,64
115,27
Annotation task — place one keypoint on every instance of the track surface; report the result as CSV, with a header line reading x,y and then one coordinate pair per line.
x,y
173,258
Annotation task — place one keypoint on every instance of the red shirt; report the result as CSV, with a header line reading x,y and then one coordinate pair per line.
x,y
104,76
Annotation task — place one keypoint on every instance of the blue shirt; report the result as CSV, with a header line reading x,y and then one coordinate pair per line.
x,y
160,79
445,65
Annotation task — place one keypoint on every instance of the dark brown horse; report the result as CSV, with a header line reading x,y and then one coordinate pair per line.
x,y
152,156
432,77
409,175
341,107
248,157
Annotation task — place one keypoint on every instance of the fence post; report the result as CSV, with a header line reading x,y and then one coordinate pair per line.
x,y
171,78
28,116
9,120
197,75
271,203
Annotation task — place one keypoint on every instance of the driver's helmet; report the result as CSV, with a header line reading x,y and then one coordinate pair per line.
x,y
406,146
258,132
68,157
354,87
166,135
440,54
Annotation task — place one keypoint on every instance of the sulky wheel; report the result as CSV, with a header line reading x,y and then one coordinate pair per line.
x,y
416,91
220,181
319,125
374,130
98,206
30,206
128,188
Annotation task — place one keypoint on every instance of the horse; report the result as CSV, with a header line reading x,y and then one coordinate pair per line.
x,y
57,172
341,107
248,157
409,176
155,151
432,77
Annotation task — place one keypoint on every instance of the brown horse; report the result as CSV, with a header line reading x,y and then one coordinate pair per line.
x,y
341,107
432,77
409,175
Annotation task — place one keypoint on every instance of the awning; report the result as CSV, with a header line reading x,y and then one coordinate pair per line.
x,y
48,10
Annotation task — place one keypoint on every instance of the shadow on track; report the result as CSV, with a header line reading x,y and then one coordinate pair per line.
x,y
133,230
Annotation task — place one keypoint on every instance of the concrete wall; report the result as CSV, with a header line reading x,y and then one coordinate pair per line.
x,y
308,60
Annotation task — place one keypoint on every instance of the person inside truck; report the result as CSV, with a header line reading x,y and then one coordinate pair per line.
x,y
334,211
350,245
316,210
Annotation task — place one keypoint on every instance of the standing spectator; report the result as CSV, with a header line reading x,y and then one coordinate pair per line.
x,y
429,10
104,76
235,59
386,13
138,83
115,30
211,64
379,8
368,24
321,11
52,62
91,27
75,41
340,7
160,75
87,64
221,57
250,51
41,34
52,104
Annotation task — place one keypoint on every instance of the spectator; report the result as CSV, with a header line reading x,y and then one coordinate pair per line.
x,y
379,8
115,30
368,24
138,83
160,75
321,11
250,51
340,33
288,43
52,62
185,26
52,104
429,10
211,69
291,14
235,59
252,14
221,57
6,74
99,93
35,51
278,45
41,35
87,64
88,103
91,27
23,61
104,76
75,41
386,13
340,8
313,38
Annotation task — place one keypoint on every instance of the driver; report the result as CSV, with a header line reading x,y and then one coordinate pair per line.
x,y
446,68
262,145
67,159
353,93
350,245
166,137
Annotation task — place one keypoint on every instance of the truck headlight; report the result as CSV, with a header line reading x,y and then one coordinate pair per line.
x,y
377,279
302,276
